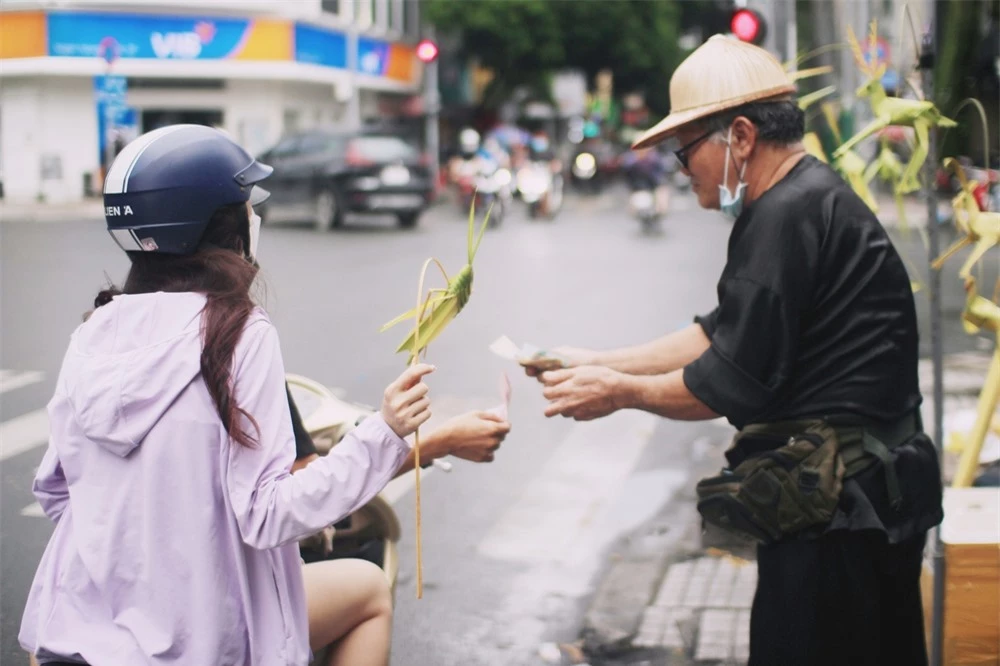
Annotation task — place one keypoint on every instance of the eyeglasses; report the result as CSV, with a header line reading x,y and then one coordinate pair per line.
x,y
683,153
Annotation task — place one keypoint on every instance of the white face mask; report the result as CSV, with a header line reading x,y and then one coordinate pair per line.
x,y
254,234
730,204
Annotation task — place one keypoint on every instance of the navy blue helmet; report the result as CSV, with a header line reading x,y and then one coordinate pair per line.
x,y
163,188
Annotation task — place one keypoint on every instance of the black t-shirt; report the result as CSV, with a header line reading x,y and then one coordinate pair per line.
x,y
816,314
304,445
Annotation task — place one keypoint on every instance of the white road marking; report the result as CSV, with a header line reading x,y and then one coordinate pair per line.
x,y
579,479
12,379
24,433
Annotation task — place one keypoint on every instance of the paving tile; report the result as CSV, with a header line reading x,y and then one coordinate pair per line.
x,y
673,637
744,586
741,643
715,635
701,578
721,587
674,584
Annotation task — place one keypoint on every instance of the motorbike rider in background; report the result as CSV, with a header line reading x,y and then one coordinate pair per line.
x,y
646,169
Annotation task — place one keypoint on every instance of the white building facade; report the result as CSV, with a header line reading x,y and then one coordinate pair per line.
x,y
78,78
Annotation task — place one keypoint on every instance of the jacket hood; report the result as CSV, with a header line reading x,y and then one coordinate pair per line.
x,y
129,362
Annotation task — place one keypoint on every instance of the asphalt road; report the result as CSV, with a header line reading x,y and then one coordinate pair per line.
x,y
512,550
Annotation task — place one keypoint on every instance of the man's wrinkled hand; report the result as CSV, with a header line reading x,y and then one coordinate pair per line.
x,y
474,436
584,393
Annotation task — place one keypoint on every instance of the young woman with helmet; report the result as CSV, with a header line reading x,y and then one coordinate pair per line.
x,y
167,472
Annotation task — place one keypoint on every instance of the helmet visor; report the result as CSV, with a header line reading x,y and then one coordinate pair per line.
x,y
258,195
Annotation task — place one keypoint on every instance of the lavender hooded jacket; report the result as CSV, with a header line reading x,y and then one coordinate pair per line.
x,y
174,544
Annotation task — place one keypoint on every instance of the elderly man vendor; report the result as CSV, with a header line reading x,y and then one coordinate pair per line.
x,y
811,353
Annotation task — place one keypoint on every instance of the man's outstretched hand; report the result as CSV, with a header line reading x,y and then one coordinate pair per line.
x,y
582,393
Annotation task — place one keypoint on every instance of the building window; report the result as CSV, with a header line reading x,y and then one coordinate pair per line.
x,y
331,6
382,15
291,121
411,18
364,13
135,83
396,16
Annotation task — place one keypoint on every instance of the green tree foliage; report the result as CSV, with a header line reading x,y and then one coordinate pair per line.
x,y
524,41
636,39
520,40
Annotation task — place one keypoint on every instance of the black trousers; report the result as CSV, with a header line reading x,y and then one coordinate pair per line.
x,y
845,599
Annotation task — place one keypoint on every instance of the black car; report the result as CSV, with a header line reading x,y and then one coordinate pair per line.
x,y
321,175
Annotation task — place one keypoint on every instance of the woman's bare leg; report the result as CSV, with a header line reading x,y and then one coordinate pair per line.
x,y
349,604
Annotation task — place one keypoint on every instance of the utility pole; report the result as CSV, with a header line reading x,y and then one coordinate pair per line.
x,y
926,66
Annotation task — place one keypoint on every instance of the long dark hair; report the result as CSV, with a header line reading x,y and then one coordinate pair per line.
x,y
221,270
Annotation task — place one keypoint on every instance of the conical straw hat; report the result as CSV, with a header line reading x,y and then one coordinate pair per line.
x,y
720,74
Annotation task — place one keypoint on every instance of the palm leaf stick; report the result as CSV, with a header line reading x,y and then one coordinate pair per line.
x,y
831,121
904,15
839,46
414,358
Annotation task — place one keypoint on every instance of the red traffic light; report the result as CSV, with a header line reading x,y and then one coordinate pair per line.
x,y
427,50
748,25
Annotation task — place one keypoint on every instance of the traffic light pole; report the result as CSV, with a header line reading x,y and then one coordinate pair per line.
x,y
432,104
785,40
792,34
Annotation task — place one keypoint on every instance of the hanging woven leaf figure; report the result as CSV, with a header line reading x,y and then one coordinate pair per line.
x,y
921,115
980,228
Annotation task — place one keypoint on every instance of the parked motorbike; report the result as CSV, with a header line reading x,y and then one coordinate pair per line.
x,y
540,189
373,531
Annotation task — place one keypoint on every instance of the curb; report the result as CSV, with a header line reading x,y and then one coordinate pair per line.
x,y
640,561
630,583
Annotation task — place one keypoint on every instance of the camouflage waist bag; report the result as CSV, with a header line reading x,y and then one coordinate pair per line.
x,y
793,481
